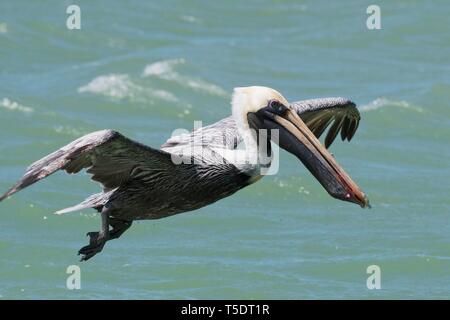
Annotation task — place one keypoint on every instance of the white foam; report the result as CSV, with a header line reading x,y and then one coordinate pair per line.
x,y
165,69
112,85
120,86
14,106
384,102
203,86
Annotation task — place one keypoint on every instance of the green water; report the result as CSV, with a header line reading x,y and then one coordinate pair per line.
x,y
146,68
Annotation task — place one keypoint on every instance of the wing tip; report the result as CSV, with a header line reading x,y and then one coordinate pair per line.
x,y
3,197
9,193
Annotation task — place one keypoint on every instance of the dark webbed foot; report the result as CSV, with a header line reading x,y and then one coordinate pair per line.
x,y
93,236
95,246
97,240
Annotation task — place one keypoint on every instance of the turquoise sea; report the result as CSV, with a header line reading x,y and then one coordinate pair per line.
x,y
145,68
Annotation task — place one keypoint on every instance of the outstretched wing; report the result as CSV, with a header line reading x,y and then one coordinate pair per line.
x,y
111,158
318,114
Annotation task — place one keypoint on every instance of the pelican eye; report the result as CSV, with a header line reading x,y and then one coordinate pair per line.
x,y
277,106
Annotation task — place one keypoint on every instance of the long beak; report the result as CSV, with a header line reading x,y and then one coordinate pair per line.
x,y
295,137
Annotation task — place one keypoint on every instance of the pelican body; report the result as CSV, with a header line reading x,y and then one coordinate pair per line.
x,y
193,170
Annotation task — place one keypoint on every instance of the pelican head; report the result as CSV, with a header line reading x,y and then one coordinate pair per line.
x,y
265,108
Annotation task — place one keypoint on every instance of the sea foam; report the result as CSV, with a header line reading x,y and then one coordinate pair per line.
x,y
165,69
113,85
14,106
384,102
120,86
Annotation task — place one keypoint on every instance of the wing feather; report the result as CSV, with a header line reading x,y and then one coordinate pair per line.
x,y
332,133
318,114
109,156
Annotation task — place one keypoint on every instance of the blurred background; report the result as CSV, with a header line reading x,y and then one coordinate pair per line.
x,y
146,68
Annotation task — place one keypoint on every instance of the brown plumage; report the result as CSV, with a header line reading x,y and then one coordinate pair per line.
x,y
140,182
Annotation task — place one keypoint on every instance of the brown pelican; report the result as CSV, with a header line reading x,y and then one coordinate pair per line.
x,y
196,169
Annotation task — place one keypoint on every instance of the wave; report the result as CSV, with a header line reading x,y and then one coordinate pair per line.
x,y
165,70
120,86
112,85
160,68
14,106
384,102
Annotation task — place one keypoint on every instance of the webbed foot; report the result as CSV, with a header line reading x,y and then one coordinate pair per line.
x,y
96,244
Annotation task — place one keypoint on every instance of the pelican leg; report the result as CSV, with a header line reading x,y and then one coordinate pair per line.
x,y
118,227
97,240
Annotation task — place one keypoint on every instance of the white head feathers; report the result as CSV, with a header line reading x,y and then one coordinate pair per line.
x,y
251,99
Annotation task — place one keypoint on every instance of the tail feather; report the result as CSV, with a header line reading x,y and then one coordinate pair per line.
x,y
94,201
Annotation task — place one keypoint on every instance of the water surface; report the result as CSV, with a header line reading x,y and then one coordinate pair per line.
x,y
145,68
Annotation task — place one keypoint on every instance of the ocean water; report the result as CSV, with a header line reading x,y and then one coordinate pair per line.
x,y
146,68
